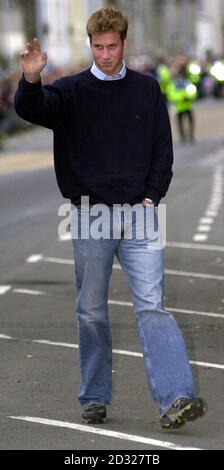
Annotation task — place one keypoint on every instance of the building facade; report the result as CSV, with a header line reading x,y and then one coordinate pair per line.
x,y
61,27
161,27
156,28
210,27
16,24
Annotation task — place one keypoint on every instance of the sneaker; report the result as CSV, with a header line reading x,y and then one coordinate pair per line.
x,y
183,410
94,414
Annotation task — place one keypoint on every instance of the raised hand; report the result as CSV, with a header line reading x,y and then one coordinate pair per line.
x,y
33,61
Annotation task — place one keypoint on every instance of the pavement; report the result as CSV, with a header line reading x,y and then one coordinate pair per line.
x,y
38,341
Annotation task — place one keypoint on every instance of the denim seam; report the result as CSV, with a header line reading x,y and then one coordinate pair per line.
x,y
109,365
150,377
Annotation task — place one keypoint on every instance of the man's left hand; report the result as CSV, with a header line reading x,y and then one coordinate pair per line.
x,y
146,202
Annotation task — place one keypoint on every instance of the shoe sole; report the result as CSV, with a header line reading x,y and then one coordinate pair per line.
x,y
190,412
94,421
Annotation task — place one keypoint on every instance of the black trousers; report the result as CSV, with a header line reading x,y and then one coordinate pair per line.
x,y
183,119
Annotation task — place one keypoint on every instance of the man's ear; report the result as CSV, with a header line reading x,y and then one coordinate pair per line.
x,y
125,43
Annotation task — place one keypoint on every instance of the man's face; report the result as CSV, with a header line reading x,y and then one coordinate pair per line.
x,y
108,52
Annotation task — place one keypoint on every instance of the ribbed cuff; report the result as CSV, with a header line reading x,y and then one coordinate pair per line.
x,y
28,86
153,195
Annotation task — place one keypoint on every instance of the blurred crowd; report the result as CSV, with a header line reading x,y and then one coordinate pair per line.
x,y
181,79
9,120
8,84
207,75
182,82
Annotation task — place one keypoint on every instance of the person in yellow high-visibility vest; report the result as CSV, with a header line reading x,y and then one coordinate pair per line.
x,y
164,78
182,94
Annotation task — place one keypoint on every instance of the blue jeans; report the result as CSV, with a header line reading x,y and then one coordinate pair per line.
x,y
166,362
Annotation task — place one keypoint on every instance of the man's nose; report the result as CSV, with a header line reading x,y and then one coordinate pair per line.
x,y
105,54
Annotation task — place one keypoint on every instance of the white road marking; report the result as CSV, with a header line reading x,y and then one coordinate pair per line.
x,y
4,289
204,228
124,303
169,244
206,220
171,309
58,260
104,432
39,257
195,312
53,343
199,237
192,246
215,202
28,291
174,272
115,351
193,274
207,365
34,258
117,266
211,213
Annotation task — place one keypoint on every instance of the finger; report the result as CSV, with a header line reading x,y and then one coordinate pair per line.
x,y
29,47
36,44
24,55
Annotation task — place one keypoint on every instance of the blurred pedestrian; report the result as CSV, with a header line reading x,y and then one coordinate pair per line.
x,y
182,94
164,77
112,143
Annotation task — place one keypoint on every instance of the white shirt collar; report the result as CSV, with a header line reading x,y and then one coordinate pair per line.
x,y
102,76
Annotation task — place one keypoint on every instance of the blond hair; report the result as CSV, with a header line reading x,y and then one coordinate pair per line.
x,y
107,20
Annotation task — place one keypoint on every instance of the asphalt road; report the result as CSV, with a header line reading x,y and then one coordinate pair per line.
x,y
39,376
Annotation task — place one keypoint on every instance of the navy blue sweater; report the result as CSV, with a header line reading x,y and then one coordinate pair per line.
x,y
112,139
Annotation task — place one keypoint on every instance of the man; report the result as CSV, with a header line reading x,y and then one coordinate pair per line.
x,y
112,144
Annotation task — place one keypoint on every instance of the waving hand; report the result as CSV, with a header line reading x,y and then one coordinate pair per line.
x,y
33,61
